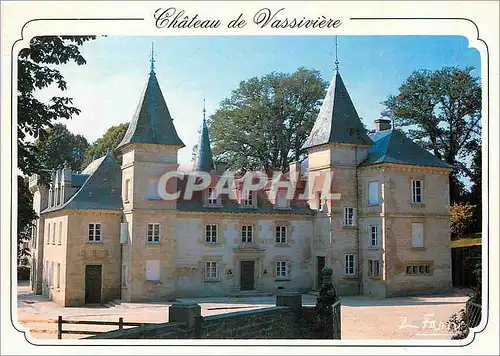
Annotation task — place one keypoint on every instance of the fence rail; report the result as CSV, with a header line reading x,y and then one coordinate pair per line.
x,y
120,323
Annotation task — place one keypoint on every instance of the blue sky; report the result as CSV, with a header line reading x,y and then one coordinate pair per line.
x,y
108,87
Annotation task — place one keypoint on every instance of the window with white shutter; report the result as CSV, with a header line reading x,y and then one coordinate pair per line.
x,y
153,270
373,193
417,235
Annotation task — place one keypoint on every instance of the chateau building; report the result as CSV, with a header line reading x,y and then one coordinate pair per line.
x,y
105,233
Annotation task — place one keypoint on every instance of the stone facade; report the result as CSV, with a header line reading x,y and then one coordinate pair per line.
x,y
105,234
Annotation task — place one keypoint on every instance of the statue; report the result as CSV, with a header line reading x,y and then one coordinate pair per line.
x,y
327,297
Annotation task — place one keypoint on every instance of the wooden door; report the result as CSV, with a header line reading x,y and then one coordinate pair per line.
x,y
247,275
320,265
93,284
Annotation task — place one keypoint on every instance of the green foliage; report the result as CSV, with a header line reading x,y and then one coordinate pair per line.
x,y
266,120
23,273
110,139
36,71
462,219
441,110
59,146
25,216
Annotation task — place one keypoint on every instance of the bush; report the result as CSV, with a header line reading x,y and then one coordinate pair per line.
x,y
23,273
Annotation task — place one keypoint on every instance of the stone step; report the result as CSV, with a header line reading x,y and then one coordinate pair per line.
x,y
113,303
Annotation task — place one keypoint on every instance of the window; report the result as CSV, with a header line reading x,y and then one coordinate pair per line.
x,y
153,233
33,234
46,272
48,233
281,270
94,232
349,216
374,240
58,274
211,234
211,270
247,234
51,275
248,199
419,270
373,193
349,265
320,201
417,193
281,200
212,197
417,235
153,270
126,190
59,240
373,268
281,234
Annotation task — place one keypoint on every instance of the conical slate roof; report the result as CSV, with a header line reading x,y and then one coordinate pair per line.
x,y
392,146
204,159
337,121
152,122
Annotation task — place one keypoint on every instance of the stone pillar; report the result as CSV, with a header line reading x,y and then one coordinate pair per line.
x,y
184,313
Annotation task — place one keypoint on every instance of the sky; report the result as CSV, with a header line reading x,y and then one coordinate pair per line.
x,y
108,87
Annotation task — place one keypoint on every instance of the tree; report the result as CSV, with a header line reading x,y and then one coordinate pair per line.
x,y
266,120
110,139
25,217
441,110
35,72
462,219
475,195
59,146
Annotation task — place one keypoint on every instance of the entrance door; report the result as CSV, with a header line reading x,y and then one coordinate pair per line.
x,y
321,264
247,275
93,284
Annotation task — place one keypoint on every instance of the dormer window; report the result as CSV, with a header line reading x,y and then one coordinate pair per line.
x,y
281,201
212,198
248,199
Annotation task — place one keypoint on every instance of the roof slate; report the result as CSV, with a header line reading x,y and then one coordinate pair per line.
x,y
337,121
204,159
152,122
392,146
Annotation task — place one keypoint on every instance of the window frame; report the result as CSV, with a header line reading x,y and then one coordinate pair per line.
x,y
209,239
126,192
282,239
281,269
48,232
146,270
377,236
347,266
155,238
248,199
54,233
413,269
209,269
377,193
245,234
210,201
59,240
414,194
372,271
422,228
94,230
346,217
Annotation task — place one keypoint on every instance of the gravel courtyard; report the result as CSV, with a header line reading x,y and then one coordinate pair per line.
x,y
362,318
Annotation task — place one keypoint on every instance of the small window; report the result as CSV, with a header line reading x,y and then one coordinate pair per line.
x,y
281,200
281,269
212,197
373,268
419,270
349,216
153,270
153,233
58,274
54,234
417,235
373,193
211,270
59,240
126,191
94,232
248,199
281,234
211,234
417,193
374,237
349,265
51,276
247,234
33,234
48,233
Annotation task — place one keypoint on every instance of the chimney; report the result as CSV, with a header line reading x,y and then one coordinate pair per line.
x,y
382,124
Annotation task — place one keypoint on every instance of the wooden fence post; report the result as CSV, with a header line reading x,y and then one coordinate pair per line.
x,y
59,327
120,323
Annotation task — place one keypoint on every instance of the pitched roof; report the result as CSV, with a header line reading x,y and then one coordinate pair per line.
x,y
204,159
100,191
152,122
337,121
392,146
